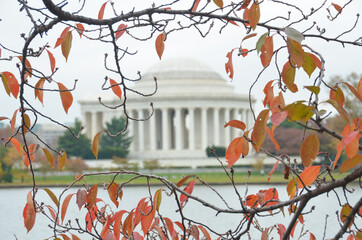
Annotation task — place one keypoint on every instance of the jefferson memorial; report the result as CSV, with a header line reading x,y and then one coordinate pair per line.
x,y
191,106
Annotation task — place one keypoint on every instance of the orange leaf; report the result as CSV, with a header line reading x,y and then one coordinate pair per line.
x,y
354,91
337,7
95,144
65,205
183,180
29,70
245,4
309,150
49,156
269,92
359,87
205,232
90,217
288,76
267,51
244,52
351,163
74,237
39,93
52,60
146,219
66,97
245,146
160,45
337,95
340,110
62,159
80,29
116,88
52,196
308,176
62,37
219,3
67,45
31,149
236,124
259,131
312,237
101,11
196,4
29,216
91,196
233,152
169,225
249,36
16,144
105,229
264,235
117,218
316,60
254,14
271,136
113,193
246,16
296,52
11,84
120,30
252,201
229,65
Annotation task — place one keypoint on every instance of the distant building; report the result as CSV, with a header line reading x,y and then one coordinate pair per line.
x,y
49,133
191,106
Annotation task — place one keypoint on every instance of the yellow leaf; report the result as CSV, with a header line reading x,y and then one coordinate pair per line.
x,y
219,3
67,45
52,196
288,76
95,144
309,150
296,52
27,122
62,159
49,156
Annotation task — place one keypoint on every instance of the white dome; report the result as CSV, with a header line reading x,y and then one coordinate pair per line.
x,y
183,76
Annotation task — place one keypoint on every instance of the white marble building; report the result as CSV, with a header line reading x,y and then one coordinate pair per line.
x,y
191,105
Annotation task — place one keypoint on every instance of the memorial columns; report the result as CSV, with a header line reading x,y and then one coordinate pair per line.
x,y
165,129
141,141
192,129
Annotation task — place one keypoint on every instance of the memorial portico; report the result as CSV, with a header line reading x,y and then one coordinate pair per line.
x,y
191,107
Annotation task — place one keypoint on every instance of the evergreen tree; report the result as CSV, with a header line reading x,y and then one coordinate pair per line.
x,y
74,147
115,146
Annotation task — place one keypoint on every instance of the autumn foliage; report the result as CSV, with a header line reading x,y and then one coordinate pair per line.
x,y
284,47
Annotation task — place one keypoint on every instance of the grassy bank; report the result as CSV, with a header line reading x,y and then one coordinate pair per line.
x,y
210,177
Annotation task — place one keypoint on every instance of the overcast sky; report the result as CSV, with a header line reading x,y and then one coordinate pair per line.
x,y
85,61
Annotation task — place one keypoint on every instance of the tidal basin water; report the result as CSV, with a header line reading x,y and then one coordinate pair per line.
x,y
12,202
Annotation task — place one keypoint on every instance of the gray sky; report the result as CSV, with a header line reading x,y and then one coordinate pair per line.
x,y
85,61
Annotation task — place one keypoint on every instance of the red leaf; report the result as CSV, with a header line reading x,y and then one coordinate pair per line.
x,y
281,230
278,117
147,219
101,11
196,4
65,205
273,169
95,144
244,52
80,29
183,180
90,217
91,196
113,193
259,131
337,7
233,152
229,65
236,124
66,97
245,4
160,45
39,93
81,197
189,188
252,201
309,150
29,216
267,51
120,30
308,176
117,219
52,60
254,14
62,37
116,88
11,84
